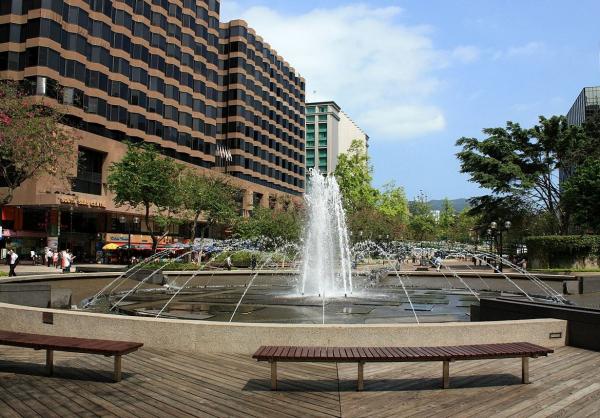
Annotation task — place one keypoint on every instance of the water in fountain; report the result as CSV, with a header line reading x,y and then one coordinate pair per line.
x,y
327,266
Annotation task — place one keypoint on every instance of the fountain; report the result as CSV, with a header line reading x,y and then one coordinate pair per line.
x,y
326,266
321,287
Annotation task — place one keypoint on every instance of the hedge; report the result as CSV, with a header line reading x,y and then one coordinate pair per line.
x,y
238,258
563,251
572,244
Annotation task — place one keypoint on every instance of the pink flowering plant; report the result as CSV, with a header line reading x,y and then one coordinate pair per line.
x,y
33,141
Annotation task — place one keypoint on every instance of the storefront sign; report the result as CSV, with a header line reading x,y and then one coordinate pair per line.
x,y
135,238
76,201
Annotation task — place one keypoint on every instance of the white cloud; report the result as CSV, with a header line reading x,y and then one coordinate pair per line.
x,y
381,72
466,53
405,121
526,50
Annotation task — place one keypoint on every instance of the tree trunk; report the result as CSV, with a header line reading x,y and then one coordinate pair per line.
x,y
150,230
193,234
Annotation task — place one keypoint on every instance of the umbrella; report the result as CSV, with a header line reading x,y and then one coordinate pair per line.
x,y
111,246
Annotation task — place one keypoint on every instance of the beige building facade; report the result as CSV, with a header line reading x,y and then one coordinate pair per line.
x,y
329,133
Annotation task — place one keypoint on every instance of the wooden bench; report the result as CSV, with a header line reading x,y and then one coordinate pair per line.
x,y
51,343
362,355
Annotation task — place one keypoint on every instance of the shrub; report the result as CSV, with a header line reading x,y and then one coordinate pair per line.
x,y
562,250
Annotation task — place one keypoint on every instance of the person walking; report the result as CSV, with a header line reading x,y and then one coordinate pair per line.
x,y
438,263
13,260
253,262
49,256
228,262
65,259
55,255
32,255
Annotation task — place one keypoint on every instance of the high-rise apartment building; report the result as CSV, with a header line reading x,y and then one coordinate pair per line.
x,y
329,133
211,95
586,104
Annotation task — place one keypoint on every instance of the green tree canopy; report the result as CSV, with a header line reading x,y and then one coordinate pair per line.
x,y
522,164
422,223
145,179
271,223
210,197
354,175
392,202
582,195
374,225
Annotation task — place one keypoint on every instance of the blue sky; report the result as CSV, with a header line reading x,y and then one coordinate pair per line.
x,y
417,75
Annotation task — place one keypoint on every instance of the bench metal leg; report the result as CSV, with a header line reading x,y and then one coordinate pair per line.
x,y
446,375
360,382
117,375
50,362
273,375
525,370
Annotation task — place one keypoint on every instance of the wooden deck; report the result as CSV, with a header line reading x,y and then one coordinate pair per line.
x,y
162,383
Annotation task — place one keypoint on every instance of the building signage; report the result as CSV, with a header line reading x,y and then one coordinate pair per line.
x,y
124,238
76,201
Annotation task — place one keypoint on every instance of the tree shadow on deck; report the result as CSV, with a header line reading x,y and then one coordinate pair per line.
x,y
60,372
383,385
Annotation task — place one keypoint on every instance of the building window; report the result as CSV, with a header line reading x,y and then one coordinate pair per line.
x,y
322,109
310,118
322,118
89,172
310,109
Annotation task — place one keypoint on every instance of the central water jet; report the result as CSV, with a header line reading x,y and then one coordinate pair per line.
x,y
326,264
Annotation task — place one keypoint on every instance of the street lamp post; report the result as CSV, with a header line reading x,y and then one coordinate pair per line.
x,y
497,232
71,209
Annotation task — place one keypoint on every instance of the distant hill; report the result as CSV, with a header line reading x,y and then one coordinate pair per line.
x,y
459,204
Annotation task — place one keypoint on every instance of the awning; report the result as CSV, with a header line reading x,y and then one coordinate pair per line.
x,y
111,246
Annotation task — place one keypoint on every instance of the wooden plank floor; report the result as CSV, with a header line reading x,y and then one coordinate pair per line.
x,y
162,383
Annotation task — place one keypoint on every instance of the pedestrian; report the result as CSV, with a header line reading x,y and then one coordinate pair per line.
x,y
474,260
49,256
13,260
438,263
65,259
55,257
32,255
253,262
228,262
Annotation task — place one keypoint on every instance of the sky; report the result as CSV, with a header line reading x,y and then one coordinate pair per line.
x,y
417,75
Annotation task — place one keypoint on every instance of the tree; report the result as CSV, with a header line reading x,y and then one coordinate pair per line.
x,y
33,141
392,202
374,224
354,175
211,197
271,223
145,179
522,164
446,220
422,221
463,227
582,195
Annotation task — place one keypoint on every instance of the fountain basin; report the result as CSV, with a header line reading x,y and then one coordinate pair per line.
x,y
205,336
